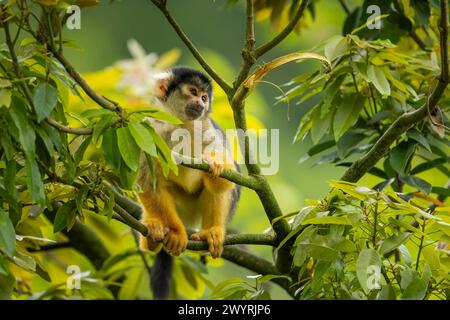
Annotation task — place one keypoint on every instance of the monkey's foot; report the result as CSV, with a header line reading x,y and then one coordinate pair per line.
x,y
145,243
176,242
156,229
214,237
215,167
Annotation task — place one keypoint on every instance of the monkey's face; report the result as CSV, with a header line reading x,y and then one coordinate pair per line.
x,y
188,102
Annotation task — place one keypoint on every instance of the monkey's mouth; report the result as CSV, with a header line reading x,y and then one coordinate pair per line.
x,y
194,111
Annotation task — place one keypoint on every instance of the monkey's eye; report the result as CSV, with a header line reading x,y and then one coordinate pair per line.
x,y
193,91
204,98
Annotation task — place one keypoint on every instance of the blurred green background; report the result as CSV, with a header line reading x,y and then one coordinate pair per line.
x,y
217,29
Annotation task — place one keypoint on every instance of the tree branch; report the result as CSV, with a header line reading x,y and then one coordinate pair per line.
x,y
231,175
97,98
284,33
236,239
15,62
232,239
162,6
360,167
66,129
51,246
250,27
132,213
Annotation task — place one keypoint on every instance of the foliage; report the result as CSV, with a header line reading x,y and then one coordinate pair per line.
x,y
355,228
69,155
373,82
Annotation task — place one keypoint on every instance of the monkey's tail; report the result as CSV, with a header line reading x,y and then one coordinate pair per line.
x,y
161,275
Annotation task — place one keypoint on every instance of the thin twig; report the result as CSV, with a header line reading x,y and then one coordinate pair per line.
x,y
66,129
284,33
162,6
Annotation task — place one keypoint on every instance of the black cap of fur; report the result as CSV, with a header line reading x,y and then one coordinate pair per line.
x,y
181,75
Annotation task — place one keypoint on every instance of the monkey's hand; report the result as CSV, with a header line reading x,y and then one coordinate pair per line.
x,y
214,237
156,229
216,165
156,234
176,240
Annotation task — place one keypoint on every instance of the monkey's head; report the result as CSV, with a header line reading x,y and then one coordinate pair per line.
x,y
185,93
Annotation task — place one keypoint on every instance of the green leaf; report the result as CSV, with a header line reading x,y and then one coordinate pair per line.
x,y
413,285
368,262
143,137
345,245
328,220
158,114
34,182
128,148
347,142
418,183
269,277
5,98
423,12
229,282
7,283
44,100
4,269
431,257
108,208
347,114
94,113
164,153
7,235
81,198
335,47
419,137
394,241
318,148
79,154
387,293
378,79
27,135
445,192
429,165
25,261
111,150
61,217
322,252
127,176
400,155
320,126
101,125
130,288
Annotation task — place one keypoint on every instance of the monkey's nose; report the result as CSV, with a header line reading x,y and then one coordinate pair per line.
x,y
194,110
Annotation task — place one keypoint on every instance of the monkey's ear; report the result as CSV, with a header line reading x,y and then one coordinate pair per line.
x,y
162,81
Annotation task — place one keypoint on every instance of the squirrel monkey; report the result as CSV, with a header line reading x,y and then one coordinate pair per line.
x,y
193,198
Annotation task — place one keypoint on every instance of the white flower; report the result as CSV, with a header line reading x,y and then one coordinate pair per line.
x,y
138,73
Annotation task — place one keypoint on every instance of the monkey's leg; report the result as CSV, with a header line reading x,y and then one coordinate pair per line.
x,y
215,202
162,220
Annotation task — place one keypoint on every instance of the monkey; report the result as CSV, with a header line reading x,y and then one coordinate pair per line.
x,y
193,199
